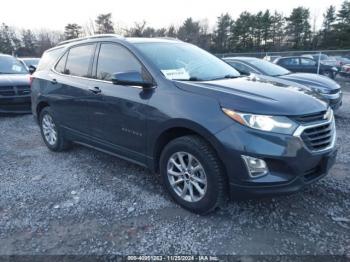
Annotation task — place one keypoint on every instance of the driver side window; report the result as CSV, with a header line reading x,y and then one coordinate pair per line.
x,y
114,58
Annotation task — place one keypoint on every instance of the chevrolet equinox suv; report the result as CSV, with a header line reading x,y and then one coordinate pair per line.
x,y
180,111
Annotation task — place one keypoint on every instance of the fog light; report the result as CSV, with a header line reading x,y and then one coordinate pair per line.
x,y
256,167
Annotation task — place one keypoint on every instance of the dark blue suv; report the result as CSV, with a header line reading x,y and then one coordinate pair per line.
x,y
181,112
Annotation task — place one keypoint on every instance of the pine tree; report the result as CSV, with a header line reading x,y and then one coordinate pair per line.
x,y
72,31
104,24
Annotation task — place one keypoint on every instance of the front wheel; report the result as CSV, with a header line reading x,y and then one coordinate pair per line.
x,y
50,131
193,174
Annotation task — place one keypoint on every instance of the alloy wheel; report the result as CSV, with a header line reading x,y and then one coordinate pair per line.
x,y
187,176
49,129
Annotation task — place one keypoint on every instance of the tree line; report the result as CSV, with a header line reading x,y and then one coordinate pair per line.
x,y
249,32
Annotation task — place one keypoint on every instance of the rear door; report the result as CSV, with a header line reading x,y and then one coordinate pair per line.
x,y
291,63
308,65
74,97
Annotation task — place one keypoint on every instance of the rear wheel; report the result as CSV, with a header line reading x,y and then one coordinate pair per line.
x,y
51,132
193,174
329,74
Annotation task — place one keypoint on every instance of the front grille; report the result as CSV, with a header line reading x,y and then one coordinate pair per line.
x,y
7,91
23,90
319,137
306,119
14,90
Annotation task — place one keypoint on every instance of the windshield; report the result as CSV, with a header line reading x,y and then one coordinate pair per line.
x,y
29,62
269,68
10,65
181,61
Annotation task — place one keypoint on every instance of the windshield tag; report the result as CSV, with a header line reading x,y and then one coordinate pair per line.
x,y
16,68
180,74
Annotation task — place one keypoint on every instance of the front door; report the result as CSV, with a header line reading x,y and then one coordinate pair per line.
x,y
119,120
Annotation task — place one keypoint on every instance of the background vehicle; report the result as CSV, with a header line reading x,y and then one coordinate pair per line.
x,y
341,60
345,70
306,65
31,63
323,58
327,88
271,58
14,86
180,111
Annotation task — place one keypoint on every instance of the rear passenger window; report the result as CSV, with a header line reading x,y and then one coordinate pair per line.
x,y
79,59
61,64
114,58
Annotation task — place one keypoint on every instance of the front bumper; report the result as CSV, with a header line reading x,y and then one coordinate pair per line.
x,y
287,187
291,164
335,100
15,104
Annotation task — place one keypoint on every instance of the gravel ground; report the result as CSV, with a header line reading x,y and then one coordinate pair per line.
x,y
86,202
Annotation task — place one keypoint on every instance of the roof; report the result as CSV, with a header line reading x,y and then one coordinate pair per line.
x,y
134,40
6,55
128,39
27,58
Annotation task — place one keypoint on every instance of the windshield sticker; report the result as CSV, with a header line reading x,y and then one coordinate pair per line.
x,y
176,74
16,68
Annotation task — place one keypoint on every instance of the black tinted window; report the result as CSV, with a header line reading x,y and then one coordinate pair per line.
x,y
115,59
79,60
61,64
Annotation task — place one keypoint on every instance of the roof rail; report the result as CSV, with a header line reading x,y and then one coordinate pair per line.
x,y
89,37
168,38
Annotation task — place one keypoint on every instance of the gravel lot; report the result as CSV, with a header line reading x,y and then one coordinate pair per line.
x,y
86,202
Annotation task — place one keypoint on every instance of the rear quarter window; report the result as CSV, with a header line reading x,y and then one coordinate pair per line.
x,y
49,58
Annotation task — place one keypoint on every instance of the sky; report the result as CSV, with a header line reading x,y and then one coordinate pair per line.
x,y
48,14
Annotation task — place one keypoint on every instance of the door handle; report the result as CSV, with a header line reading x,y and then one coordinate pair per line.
x,y
54,81
95,90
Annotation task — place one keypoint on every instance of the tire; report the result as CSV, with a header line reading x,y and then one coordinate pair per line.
x,y
205,167
329,74
59,143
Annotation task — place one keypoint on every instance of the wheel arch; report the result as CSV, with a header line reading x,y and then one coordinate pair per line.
x,y
40,106
176,130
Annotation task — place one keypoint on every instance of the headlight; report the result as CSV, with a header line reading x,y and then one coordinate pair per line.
x,y
277,124
335,69
322,91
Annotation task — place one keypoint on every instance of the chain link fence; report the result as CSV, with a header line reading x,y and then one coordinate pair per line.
x,y
337,59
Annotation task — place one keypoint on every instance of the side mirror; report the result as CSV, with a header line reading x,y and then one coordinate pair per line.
x,y
31,69
132,78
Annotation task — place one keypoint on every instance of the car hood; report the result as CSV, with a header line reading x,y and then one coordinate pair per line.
x,y
14,80
256,95
312,80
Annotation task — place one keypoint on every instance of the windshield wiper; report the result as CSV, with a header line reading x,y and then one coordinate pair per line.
x,y
225,77
192,78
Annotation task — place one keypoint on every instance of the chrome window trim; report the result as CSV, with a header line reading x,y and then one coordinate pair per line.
x,y
93,79
302,128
